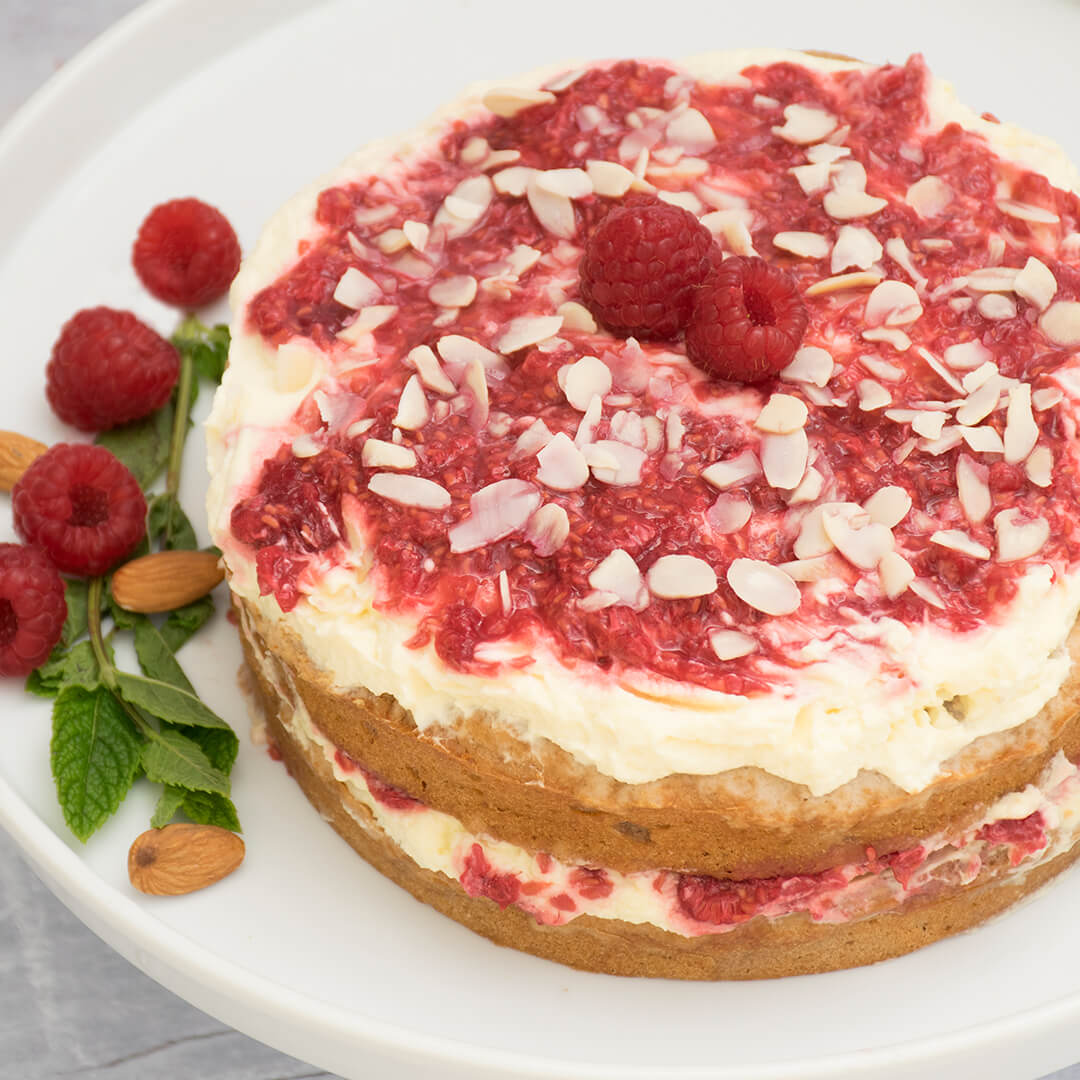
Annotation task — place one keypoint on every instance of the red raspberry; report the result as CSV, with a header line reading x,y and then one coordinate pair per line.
x,y
82,506
32,608
748,321
641,266
186,253
108,368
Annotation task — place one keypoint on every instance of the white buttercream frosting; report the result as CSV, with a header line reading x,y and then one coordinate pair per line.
x,y
870,697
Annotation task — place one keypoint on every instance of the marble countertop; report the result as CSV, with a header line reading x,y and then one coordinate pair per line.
x,y
69,1005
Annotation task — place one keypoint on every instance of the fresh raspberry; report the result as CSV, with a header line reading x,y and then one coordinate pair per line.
x,y
80,505
108,368
186,253
32,608
748,321
641,266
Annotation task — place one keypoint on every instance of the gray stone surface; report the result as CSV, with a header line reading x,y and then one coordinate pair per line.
x,y
69,1005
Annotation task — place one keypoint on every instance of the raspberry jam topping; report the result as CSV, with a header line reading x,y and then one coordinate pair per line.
x,y
519,474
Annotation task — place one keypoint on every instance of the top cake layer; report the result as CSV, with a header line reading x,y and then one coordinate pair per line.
x,y
475,499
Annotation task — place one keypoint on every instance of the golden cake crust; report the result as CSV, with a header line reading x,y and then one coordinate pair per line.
x,y
758,949
744,823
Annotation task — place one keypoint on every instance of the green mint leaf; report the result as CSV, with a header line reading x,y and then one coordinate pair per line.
x,y
205,808
143,445
156,658
220,745
76,666
208,346
169,803
75,593
171,758
95,756
165,519
183,622
167,702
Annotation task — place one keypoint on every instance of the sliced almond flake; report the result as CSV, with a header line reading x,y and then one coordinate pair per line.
x,y
929,423
819,568
547,530
410,491
576,316
1046,398
359,428
940,369
895,574
465,205
991,279
458,291
686,168
850,174
674,429
527,330
981,402
412,411
609,178
764,587
809,365
379,454
983,440
305,446
562,465
817,395
586,430
973,488
882,369
807,245
391,241
898,251
1036,284
584,379
958,540
411,265
676,577
373,215
1021,431
733,232
763,101
455,349
504,593
996,307
495,511
523,258
827,153
855,246
781,415
888,506
904,450
500,424
862,547
848,203
891,335
872,395
925,591
1040,466
294,367
691,131
475,382
804,124
533,439
967,355
619,574
554,212
809,489
862,279
358,247
1027,212
901,416
570,183
731,644
474,150
627,464
356,289
893,303
629,428
498,158
812,178
1061,322
509,101
950,437
729,513
687,200
784,458
960,304
654,433
929,196
367,319
427,366
813,541
597,601
448,317
733,471
1018,538
513,181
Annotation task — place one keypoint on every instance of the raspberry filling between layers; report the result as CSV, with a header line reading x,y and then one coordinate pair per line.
x,y
841,166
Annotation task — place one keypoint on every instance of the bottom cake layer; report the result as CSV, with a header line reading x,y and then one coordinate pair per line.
x,y
666,924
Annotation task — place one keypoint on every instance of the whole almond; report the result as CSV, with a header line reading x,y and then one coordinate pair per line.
x,y
179,859
16,453
165,580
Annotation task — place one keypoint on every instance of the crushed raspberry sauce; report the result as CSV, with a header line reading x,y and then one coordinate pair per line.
x,y
295,509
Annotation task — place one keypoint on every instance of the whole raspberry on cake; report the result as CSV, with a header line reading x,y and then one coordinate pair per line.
x,y
744,648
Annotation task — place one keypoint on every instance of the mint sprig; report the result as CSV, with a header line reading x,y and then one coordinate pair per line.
x,y
111,725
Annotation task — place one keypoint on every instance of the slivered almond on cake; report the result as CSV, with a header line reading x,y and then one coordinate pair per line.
x,y
649,496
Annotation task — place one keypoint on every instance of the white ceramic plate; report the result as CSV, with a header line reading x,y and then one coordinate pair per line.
x,y
240,103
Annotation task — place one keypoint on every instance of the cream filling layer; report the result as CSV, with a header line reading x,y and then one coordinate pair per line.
x,y
820,727
554,892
